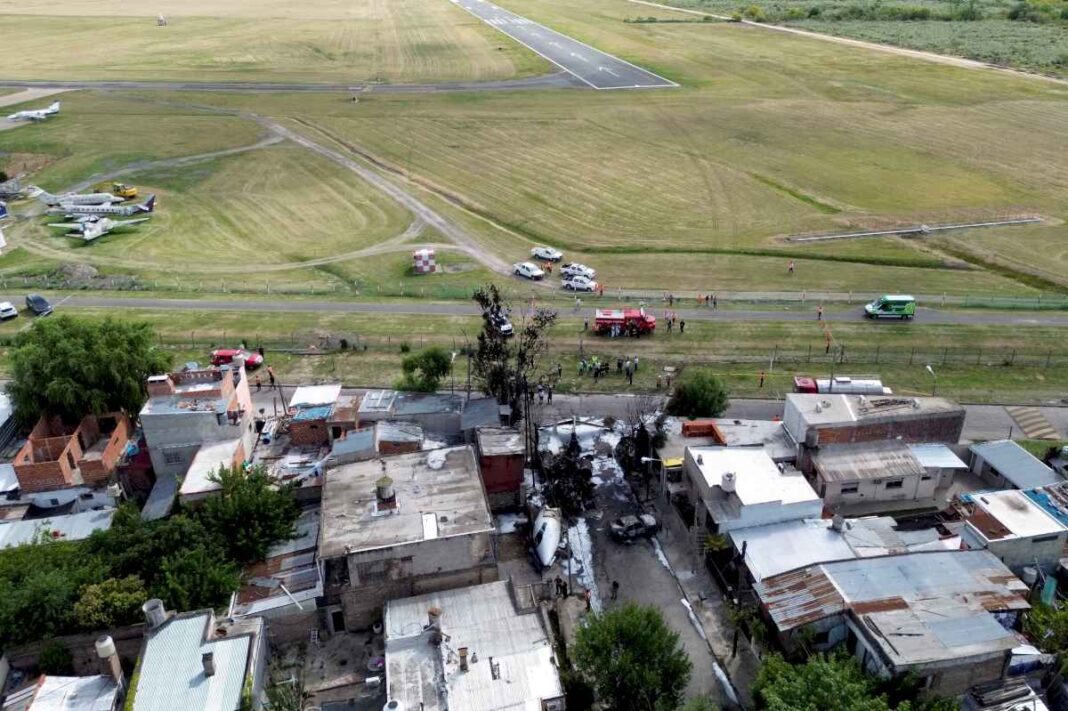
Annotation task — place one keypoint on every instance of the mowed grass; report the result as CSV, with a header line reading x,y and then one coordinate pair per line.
x,y
96,133
245,40
769,136
974,365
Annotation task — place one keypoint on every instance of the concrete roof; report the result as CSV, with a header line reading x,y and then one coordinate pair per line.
x,y
511,662
770,434
757,477
781,547
499,440
207,461
71,527
832,408
866,460
172,671
389,431
1010,514
936,456
311,395
1016,464
65,693
439,494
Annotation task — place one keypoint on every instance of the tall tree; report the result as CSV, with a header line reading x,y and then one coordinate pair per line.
x,y
424,370
71,367
505,365
251,513
634,660
113,602
569,479
698,393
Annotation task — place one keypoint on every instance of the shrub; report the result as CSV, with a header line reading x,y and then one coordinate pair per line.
x,y
699,393
56,659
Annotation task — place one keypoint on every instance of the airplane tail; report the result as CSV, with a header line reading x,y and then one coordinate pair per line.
x,y
149,205
43,195
54,108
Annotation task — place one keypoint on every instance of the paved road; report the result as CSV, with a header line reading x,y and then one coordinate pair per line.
x,y
461,309
553,80
596,68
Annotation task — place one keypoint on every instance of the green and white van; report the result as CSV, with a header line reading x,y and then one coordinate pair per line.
x,y
892,306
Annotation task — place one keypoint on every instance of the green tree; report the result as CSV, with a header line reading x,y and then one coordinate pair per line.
x,y
113,602
56,659
250,513
698,393
824,682
423,371
504,365
700,703
1048,627
196,577
633,659
69,367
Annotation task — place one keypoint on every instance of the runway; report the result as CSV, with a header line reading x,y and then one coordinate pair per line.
x,y
592,66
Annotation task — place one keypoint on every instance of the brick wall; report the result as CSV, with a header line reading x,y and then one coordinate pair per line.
x,y
386,448
309,432
502,473
98,471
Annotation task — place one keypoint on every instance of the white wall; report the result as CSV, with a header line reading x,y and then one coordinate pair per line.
x,y
184,432
913,488
1017,553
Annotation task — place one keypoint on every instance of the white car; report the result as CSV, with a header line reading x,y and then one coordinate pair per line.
x,y
547,254
576,269
8,310
579,283
527,270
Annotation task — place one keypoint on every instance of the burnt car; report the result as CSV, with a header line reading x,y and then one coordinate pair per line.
x,y
630,528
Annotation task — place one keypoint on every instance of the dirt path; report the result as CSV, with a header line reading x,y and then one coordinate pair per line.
x,y
874,46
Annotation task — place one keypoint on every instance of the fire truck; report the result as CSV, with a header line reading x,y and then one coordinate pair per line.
x,y
631,322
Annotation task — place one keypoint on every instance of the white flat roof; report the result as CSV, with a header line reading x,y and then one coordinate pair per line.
x,y
757,476
308,395
780,547
1014,510
206,462
938,456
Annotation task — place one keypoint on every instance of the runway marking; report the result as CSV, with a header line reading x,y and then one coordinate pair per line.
x,y
1033,423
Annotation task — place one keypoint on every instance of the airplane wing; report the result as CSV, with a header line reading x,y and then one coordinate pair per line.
x,y
70,226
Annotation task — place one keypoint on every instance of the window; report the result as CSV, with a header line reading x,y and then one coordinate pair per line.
x,y
372,572
850,488
895,483
1044,539
925,477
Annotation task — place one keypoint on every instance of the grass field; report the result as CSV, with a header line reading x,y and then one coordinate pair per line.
x,y
971,361
246,40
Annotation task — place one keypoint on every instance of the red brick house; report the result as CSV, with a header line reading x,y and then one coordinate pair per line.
x,y
500,458
56,456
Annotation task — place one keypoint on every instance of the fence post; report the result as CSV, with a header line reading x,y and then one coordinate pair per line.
x,y
943,298
809,353
1049,353
850,296
1012,358
979,356
912,354
877,355
945,355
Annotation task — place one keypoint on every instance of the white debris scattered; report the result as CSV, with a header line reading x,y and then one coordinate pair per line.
x,y
693,619
507,522
724,680
660,556
436,458
580,565
431,443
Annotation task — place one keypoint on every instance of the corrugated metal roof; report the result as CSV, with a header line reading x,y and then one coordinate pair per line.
x,y
65,693
937,456
499,440
313,412
974,580
172,671
1016,464
869,460
71,527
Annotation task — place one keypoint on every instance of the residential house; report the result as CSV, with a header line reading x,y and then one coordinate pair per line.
x,y
318,415
193,662
940,461
398,437
870,473
56,456
100,692
816,420
1006,465
470,648
402,526
450,415
738,487
944,616
191,410
501,459
1015,528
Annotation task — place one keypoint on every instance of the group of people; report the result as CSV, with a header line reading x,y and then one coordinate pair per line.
x,y
593,365
708,300
671,319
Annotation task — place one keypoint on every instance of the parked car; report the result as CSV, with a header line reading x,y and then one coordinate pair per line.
x,y
527,270
8,310
576,269
38,304
500,320
900,306
579,283
225,356
547,253
630,528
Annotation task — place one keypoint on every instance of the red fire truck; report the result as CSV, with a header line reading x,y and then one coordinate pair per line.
x,y
631,322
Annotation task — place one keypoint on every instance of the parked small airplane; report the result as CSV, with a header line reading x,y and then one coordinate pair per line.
x,y
73,198
89,231
77,211
35,114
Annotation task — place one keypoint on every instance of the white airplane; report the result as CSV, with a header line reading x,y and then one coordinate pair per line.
x,y
547,534
89,231
73,198
36,114
78,211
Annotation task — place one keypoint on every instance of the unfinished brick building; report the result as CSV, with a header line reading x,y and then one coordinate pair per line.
x,y
56,456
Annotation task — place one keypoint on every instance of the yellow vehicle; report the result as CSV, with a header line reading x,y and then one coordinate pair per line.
x,y
127,192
